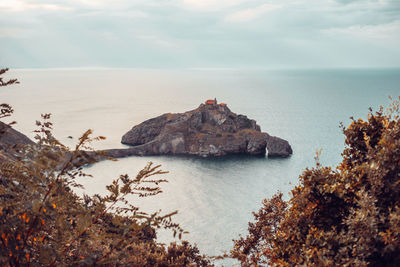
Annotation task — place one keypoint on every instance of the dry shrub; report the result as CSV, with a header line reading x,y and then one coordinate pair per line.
x,y
343,216
44,223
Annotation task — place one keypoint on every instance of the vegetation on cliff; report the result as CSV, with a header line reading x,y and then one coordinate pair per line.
x,y
43,222
343,216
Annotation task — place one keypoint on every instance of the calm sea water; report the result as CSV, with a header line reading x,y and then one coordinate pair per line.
x,y
215,197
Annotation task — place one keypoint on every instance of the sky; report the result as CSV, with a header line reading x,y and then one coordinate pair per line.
x,y
200,33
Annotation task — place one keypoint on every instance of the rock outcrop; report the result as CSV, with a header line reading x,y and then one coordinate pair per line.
x,y
9,136
209,130
11,142
278,147
17,146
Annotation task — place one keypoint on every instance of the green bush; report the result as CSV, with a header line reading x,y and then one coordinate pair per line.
x,y
343,216
43,222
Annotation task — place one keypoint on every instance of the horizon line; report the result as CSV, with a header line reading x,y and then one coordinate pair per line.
x,y
202,68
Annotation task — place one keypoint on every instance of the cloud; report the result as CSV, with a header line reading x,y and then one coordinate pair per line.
x,y
211,4
346,1
157,40
223,33
355,1
251,13
14,32
387,33
23,5
117,14
102,4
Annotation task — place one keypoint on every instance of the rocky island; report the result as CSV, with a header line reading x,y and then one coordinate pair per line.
x,y
210,130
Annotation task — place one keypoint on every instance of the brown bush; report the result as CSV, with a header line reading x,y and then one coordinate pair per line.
x,y
43,222
347,216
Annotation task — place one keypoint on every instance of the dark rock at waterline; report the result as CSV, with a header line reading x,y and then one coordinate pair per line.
x,y
278,147
209,130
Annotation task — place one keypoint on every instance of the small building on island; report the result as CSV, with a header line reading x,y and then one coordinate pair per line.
x,y
214,102
211,102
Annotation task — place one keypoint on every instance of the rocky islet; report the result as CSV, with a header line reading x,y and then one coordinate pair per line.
x,y
210,130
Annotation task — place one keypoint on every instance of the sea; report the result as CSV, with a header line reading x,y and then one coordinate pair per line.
x,y
214,197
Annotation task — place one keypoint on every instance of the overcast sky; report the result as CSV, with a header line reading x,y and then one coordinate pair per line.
x,y
200,33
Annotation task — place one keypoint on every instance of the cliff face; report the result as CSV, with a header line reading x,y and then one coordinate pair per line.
x,y
209,130
11,141
17,146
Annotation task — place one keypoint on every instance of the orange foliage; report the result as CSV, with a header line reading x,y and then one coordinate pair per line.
x,y
347,216
44,223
